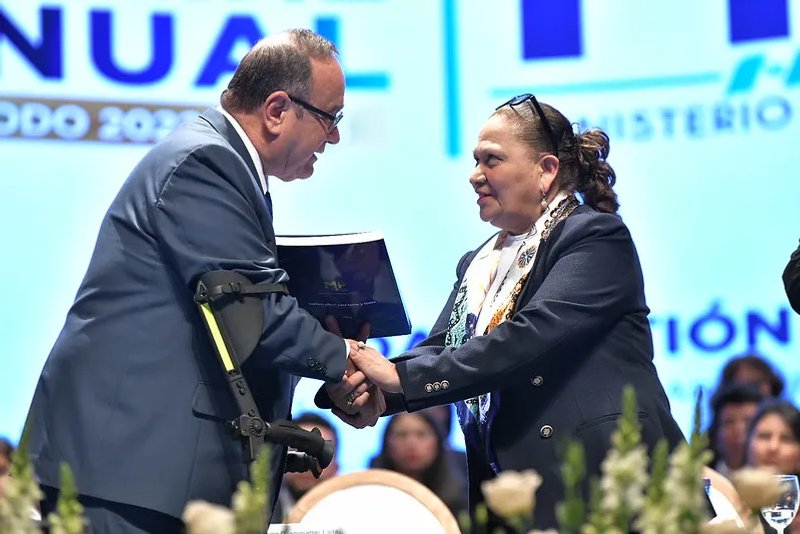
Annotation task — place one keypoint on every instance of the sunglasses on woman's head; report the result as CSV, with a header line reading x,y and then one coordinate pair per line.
x,y
528,97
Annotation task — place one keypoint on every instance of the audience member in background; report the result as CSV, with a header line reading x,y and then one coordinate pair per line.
x,y
733,407
458,459
413,444
6,451
752,369
774,441
791,280
295,485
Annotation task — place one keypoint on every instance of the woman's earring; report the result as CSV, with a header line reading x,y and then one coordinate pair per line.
x,y
544,201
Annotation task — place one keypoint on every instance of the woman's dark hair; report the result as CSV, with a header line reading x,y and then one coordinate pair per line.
x,y
735,393
756,362
582,157
784,409
276,65
438,477
435,468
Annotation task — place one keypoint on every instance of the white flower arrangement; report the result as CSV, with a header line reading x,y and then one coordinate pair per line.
x,y
667,500
512,494
757,486
201,517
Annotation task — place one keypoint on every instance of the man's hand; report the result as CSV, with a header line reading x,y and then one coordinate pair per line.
x,y
372,403
346,394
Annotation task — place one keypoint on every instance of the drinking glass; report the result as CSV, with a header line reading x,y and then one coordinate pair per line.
x,y
780,515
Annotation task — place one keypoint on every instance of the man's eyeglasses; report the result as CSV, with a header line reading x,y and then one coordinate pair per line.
x,y
528,97
324,114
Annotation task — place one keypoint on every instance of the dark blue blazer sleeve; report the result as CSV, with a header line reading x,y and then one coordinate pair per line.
x,y
791,280
206,220
593,281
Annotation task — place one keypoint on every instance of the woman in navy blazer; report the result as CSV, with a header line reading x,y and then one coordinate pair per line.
x,y
547,320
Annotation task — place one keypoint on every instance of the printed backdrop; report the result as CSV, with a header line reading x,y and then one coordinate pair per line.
x,y
701,100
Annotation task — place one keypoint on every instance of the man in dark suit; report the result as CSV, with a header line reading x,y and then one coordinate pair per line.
x,y
791,280
131,396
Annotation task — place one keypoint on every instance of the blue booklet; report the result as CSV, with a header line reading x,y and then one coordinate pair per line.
x,y
348,276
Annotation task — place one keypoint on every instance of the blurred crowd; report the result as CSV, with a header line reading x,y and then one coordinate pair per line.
x,y
752,423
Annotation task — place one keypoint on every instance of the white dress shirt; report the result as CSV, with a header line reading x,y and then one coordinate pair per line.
x,y
251,149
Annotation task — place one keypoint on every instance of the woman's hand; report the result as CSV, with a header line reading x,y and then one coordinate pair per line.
x,y
375,367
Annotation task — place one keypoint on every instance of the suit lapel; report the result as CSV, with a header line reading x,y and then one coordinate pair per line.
x,y
218,121
540,266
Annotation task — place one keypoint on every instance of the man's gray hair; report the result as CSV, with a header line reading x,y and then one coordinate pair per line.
x,y
276,63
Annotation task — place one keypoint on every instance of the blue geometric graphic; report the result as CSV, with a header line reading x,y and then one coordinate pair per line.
x,y
46,56
551,29
752,20
160,56
452,97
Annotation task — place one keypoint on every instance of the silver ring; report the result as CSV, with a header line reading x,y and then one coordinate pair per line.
x,y
361,345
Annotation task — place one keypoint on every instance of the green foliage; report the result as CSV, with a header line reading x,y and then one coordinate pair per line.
x,y
464,522
22,495
481,520
572,512
624,474
675,500
629,431
251,498
656,492
68,517
699,438
656,501
687,473
598,521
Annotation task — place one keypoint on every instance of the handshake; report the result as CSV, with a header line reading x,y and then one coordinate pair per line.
x,y
359,398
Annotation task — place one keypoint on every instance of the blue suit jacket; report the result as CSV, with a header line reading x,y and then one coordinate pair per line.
x,y
132,396
579,333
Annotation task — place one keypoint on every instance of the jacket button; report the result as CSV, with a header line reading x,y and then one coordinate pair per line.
x,y
537,380
445,384
546,431
429,388
437,386
310,363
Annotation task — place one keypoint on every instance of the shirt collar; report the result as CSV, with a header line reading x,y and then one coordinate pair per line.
x,y
251,149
